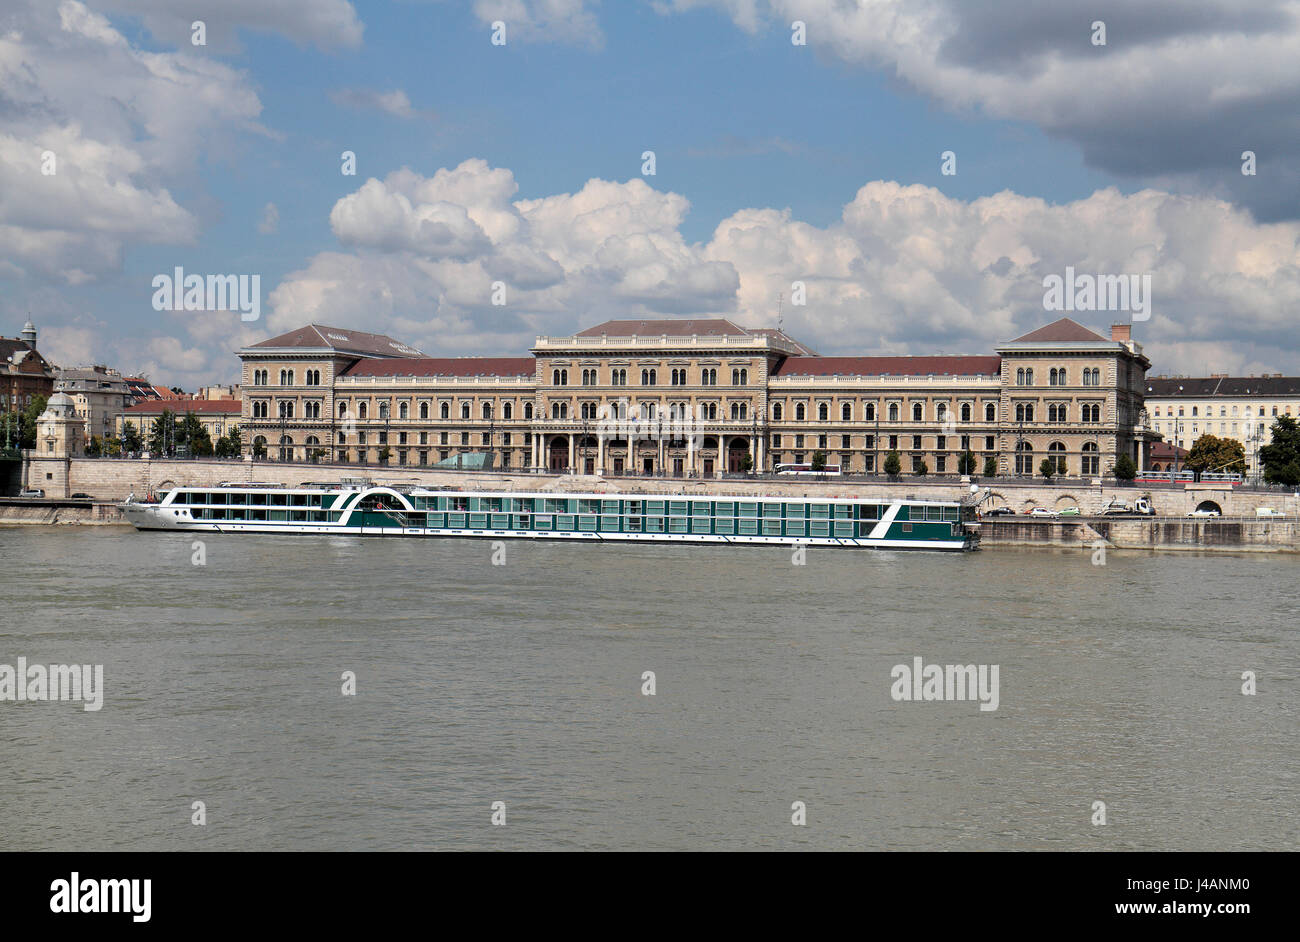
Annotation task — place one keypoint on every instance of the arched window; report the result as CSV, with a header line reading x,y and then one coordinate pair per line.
x,y
343,410
403,411
869,412
822,410
383,410
1020,376
846,412
424,410
1024,458
361,410
917,412
990,412
940,411
1091,459
507,411
777,411
965,411
444,411
528,411
1029,376
893,412
1056,455
799,412
464,410
487,410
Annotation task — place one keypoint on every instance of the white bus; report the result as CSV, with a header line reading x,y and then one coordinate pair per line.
x,y
829,471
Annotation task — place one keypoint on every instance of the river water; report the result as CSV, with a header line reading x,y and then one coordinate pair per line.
x,y
522,683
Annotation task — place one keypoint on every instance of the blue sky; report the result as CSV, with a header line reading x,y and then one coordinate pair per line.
x,y
744,125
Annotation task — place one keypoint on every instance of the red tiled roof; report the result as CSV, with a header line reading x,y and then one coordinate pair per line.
x,y
342,340
445,366
1166,450
181,406
1062,331
893,366
675,327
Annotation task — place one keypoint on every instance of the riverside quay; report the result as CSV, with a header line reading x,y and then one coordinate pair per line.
x,y
698,398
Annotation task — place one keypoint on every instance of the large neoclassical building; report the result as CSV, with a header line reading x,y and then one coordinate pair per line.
x,y
698,397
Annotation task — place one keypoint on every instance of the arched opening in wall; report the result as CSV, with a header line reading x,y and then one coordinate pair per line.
x,y
558,453
587,454
1209,506
710,442
1066,500
737,449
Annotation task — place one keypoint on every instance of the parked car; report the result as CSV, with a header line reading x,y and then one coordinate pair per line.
x,y
1000,512
80,496
1069,512
31,493
1204,513
1042,512
1268,512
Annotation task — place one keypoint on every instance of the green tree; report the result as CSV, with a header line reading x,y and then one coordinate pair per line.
x,y
1211,453
22,425
991,467
131,437
922,469
893,464
229,445
259,448
819,461
384,454
162,437
1047,468
195,436
747,464
1125,469
966,463
1281,459
94,447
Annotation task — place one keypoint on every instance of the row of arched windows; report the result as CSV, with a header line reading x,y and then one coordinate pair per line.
x,y
869,412
1089,460
444,410
618,377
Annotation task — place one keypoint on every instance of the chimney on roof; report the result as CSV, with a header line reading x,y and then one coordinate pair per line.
x,y
1121,332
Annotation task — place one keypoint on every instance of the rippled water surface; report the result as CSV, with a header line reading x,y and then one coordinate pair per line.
x,y
521,683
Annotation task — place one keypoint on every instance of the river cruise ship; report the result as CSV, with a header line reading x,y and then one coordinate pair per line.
x,y
365,509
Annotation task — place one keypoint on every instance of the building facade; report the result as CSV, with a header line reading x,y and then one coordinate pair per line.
x,y
698,398
24,373
1183,408
98,394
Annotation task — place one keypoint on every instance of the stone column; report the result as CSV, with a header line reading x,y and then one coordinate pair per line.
x,y
600,454
571,465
